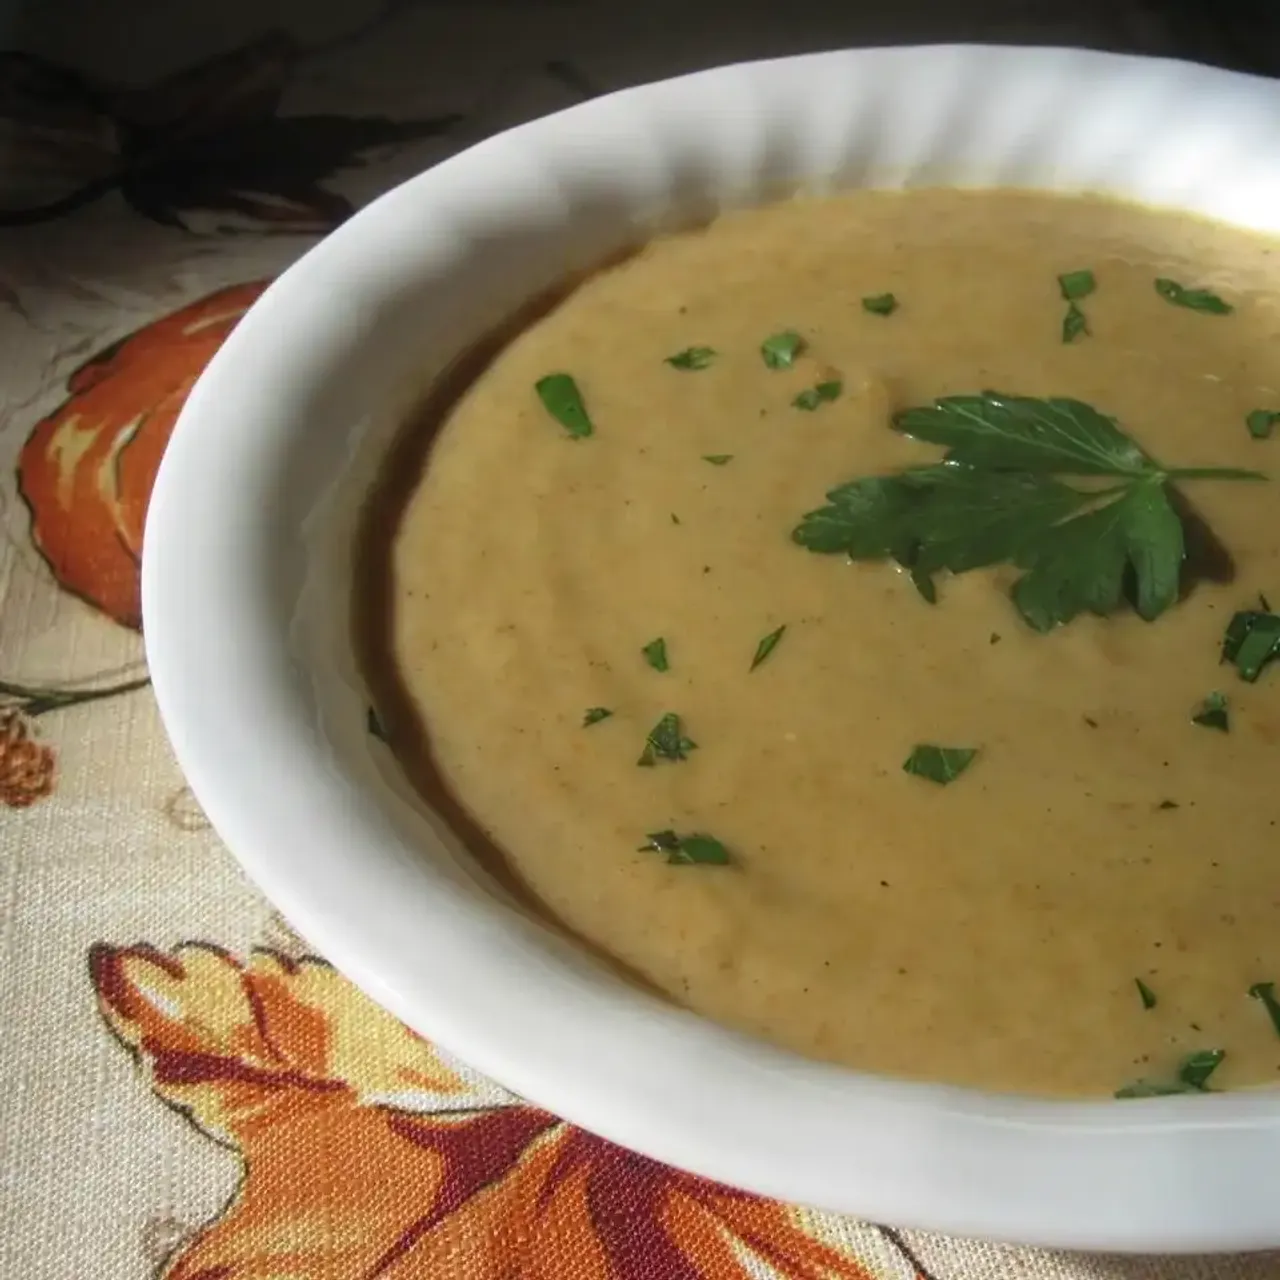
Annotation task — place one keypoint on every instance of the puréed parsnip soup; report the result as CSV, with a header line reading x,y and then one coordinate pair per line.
x,y
852,617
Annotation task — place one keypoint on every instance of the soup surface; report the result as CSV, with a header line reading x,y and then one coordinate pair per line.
x,y
1092,898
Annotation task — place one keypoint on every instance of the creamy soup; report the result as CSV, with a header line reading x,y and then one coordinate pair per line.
x,y
925,839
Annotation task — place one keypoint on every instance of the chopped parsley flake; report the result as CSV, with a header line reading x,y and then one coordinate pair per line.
x,y
1212,713
1192,1077
666,741
697,849
1074,285
880,304
1251,642
1074,324
1192,299
779,351
692,358
1261,422
563,401
767,645
824,392
939,764
655,654
1266,993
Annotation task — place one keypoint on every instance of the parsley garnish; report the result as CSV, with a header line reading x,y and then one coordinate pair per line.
x,y
593,715
717,459
1193,299
880,304
1212,713
767,646
1261,422
779,351
1151,1089
655,654
1266,992
1192,1077
998,498
1251,642
1145,994
939,764
666,741
687,851
563,401
812,397
1196,1068
1074,324
1074,285
692,358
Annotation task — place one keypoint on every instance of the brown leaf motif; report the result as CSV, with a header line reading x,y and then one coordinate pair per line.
x,y
367,1154
202,148
26,764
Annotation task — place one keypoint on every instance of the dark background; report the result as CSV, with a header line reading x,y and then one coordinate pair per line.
x,y
241,114
1244,34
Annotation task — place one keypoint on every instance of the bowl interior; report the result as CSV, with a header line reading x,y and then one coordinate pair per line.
x,y
247,587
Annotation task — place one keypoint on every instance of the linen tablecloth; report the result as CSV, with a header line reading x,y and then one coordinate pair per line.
x,y
185,1090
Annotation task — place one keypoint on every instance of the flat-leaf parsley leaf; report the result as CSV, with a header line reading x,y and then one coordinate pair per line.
x,y
999,497
1057,436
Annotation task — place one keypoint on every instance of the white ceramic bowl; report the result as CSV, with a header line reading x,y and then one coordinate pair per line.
x,y
246,633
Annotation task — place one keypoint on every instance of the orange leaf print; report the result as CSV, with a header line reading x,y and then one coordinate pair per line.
x,y
367,1155
87,469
